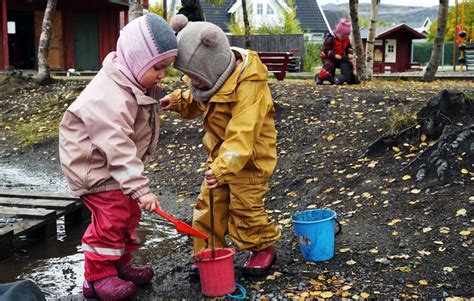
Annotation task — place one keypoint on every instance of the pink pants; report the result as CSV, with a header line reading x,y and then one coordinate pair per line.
x,y
111,235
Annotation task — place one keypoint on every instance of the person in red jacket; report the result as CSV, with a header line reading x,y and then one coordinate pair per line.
x,y
337,52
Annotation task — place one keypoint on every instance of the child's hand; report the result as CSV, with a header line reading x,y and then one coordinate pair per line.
x,y
149,202
350,56
165,103
338,57
211,179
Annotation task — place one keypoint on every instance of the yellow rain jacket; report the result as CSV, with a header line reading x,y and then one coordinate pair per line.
x,y
240,139
239,122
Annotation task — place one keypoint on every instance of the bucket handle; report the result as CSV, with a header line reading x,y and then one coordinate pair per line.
x,y
339,230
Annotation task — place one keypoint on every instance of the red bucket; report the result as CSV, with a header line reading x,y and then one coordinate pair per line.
x,y
217,274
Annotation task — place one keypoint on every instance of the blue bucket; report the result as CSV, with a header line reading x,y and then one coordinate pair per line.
x,y
316,231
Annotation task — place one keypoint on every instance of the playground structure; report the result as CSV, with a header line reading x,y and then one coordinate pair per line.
x,y
466,53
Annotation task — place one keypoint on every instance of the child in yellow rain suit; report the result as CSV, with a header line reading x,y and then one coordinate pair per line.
x,y
229,87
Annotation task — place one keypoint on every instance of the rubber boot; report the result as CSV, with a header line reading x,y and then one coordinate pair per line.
x,y
139,275
259,262
318,80
110,288
338,80
194,272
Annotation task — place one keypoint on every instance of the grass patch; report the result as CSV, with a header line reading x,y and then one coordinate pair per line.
x,y
39,126
399,121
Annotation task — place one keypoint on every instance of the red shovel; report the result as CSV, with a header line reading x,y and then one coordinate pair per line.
x,y
181,227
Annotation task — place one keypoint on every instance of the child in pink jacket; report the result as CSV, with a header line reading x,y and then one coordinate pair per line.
x,y
105,139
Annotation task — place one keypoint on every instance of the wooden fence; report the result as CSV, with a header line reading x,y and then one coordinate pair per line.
x,y
274,43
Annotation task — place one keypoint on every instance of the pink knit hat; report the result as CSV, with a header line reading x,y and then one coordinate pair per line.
x,y
343,28
144,42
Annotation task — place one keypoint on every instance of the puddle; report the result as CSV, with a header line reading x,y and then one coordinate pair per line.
x,y
23,179
57,265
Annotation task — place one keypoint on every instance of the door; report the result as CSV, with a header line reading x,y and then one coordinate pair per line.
x,y
86,42
21,39
390,51
56,52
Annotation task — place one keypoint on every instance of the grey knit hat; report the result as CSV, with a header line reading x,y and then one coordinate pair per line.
x,y
204,52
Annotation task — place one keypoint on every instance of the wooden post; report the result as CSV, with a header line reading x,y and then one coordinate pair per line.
x,y
455,33
5,58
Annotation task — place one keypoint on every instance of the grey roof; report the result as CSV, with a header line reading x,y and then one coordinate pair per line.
x,y
312,19
364,32
217,14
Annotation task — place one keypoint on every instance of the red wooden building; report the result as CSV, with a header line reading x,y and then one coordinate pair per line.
x,y
84,31
393,48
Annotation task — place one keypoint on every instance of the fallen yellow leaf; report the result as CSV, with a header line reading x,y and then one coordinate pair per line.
x,y
465,233
351,262
427,229
406,177
423,137
423,282
464,171
395,149
394,221
344,250
364,295
326,295
461,212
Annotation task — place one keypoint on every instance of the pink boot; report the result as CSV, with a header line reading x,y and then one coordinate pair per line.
x,y
139,275
110,288
259,262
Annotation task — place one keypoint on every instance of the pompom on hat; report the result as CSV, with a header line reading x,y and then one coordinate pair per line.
x,y
343,28
204,52
143,43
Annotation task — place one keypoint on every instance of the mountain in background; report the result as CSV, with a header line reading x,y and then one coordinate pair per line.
x,y
396,14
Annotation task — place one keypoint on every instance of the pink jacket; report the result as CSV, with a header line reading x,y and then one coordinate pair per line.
x,y
108,134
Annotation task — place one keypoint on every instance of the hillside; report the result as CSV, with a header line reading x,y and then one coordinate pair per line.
x,y
412,15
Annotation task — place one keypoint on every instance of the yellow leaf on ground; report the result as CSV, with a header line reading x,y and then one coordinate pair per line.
x,y
315,293
464,171
465,233
404,269
415,191
447,269
427,229
423,282
406,177
344,250
395,149
351,262
423,137
394,221
461,212
327,295
346,287
364,295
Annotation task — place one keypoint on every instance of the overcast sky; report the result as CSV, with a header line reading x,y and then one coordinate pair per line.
x,y
397,2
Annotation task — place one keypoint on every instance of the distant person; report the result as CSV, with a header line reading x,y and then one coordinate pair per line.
x,y
229,87
337,52
192,10
106,137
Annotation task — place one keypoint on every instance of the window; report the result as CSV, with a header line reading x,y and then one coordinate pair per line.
x,y
391,48
270,10
259,9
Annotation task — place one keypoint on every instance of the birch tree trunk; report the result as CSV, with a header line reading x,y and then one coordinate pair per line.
x,y
359,48
135,9
369,51
438,43
246,23
43,76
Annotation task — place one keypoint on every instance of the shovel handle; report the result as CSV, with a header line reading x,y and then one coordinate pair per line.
x,y
211,201
165,215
